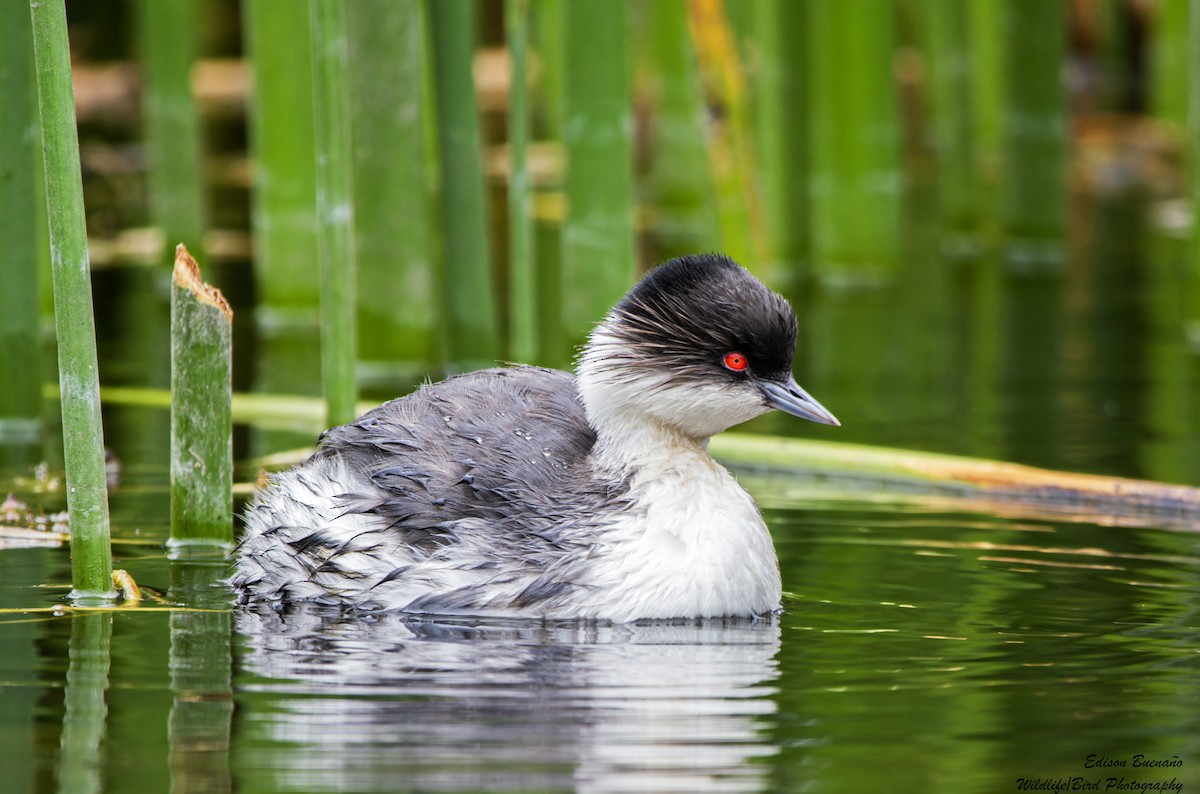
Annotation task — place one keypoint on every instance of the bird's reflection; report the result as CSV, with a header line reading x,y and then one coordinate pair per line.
x,y
332,702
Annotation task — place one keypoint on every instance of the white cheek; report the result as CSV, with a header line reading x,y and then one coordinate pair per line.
x,y
703,411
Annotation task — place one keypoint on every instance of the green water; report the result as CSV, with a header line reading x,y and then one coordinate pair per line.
x,y
920,651
925,646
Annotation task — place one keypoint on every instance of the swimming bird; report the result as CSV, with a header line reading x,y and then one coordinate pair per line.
x,y
529,492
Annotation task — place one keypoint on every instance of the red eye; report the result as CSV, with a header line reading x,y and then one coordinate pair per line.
x,y
735,362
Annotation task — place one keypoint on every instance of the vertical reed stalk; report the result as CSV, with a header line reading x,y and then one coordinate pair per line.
x,y
783,129
335,208
597,237
740,216
856,170
1193,136
1034,204
391,193
987,86
1114,50
168,36
281,138
468,273
20,399
79,383
679,185
522,271
201,409
548,33
948,49
1169,75
548,28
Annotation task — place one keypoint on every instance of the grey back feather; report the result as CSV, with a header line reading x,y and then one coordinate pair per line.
x,y
478,485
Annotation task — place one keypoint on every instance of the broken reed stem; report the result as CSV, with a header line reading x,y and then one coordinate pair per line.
x,y
201,409
79,382
335,208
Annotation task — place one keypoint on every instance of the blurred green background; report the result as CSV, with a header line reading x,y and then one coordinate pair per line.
x,y
981,210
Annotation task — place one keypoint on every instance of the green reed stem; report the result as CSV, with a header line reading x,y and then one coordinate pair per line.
x,y
20,399
1033,201
391,193
856,140
948,55
168,36
739,212
987,86
597,236
472,337
783,135
335,208
679,184
1169,75
83,433
201,409
522,271
281,137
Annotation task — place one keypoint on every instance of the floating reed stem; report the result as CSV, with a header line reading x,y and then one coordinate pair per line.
x,y
467,268
20,399
522,270
201,409
391,189
83,433
335,208
597,236
168,36
1034,202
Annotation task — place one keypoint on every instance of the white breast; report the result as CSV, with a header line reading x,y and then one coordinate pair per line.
x,y
695,545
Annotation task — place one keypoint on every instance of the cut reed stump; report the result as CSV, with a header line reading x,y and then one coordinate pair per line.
x,y
201,409
78,376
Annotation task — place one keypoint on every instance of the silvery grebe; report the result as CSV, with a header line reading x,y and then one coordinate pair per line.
x,y
528,492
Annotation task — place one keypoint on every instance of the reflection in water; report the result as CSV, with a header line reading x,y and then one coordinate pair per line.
x,y
86,709
334,703
198,726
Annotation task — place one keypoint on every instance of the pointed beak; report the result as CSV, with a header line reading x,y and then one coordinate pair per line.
x,y
790,398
